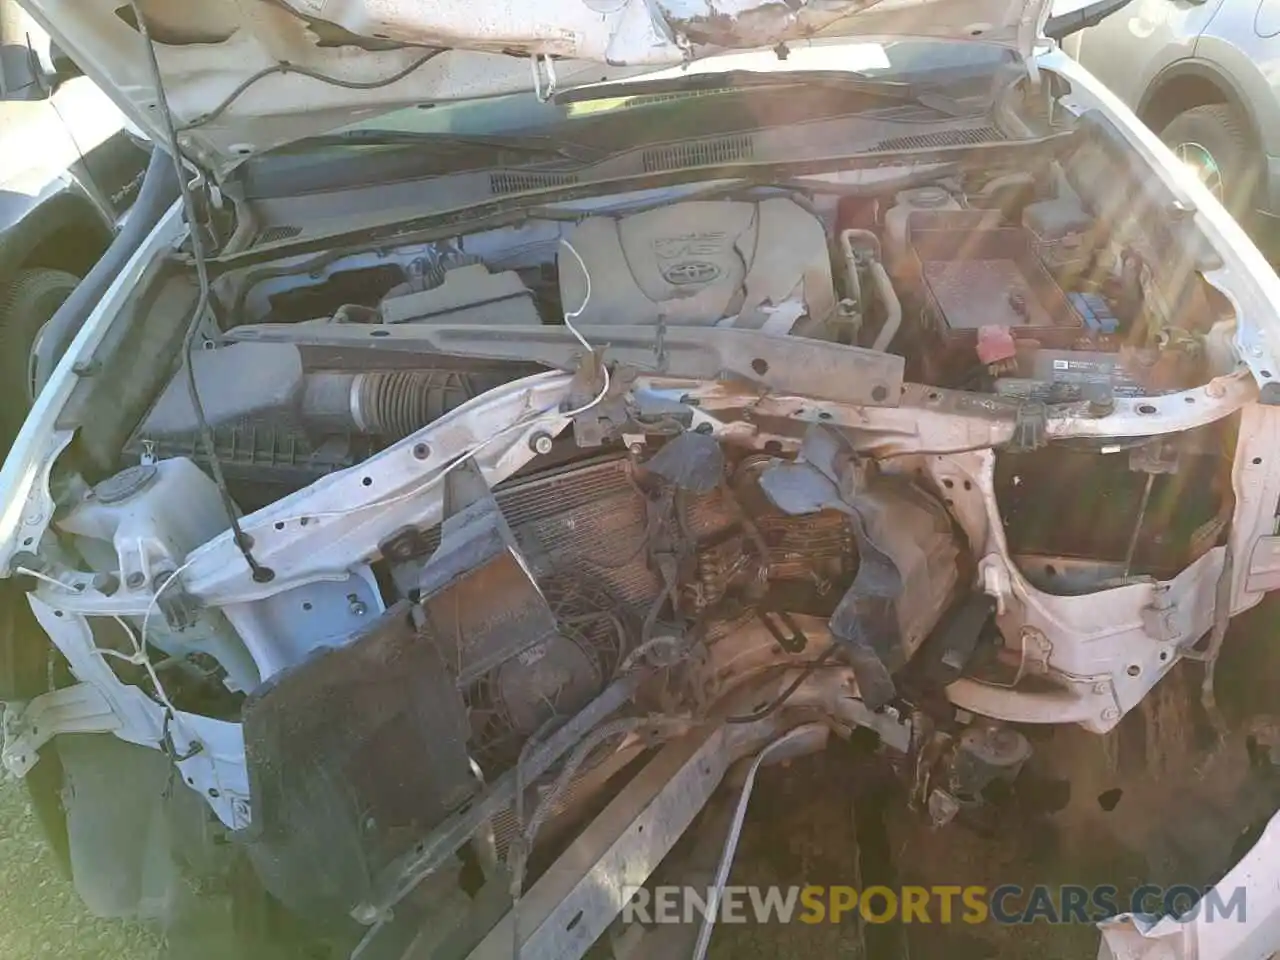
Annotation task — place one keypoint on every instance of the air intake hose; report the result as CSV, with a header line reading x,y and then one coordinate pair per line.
x,y
390,404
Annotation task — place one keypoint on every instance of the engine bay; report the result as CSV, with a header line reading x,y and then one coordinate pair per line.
x,y
878,456
1001,288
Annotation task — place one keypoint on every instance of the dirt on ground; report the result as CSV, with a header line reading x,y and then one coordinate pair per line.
x,y
40,914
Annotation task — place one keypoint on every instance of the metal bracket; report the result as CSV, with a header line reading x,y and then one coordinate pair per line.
x,y
1030,432
1161,617
28,726
1256,353
544,90
578,896
1264,565
996,582
574,901
602,420
795,366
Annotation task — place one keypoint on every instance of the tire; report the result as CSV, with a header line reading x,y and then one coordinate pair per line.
x,y
1218,139
26,304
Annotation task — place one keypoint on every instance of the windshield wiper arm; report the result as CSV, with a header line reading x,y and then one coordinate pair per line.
x,y
531,145
741,79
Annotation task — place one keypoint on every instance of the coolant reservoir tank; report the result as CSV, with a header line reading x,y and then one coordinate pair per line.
x,y
153,515
906,203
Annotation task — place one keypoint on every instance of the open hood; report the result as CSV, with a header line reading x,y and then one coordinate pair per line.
x,y
244,76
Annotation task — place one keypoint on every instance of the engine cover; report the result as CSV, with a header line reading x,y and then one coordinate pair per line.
x,y
700,262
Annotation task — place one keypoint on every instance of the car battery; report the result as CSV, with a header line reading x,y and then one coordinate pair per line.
x,y
1099,368
1066,376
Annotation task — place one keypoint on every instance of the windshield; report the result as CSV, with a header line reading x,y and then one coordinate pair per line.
x,y
449,137
919,62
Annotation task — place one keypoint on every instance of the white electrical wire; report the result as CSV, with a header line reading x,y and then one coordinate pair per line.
x,y
145,659
45,577
139,657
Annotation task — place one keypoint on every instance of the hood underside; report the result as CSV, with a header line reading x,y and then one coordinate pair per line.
x,y
244,76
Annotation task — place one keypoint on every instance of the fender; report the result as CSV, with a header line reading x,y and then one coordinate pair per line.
x,y
1202,69
26,222
1247,90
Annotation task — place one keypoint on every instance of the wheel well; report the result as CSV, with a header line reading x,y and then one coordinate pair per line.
x,y
74,248
1177,95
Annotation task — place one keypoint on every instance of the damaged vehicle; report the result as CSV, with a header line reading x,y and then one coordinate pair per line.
x,y
531,415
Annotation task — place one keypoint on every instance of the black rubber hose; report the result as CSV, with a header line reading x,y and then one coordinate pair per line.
x,y
159,191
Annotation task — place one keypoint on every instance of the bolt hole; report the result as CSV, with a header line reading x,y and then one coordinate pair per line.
x,y
1266,374
366,482
1146,409
213,792
949,502
824,415
879,393
190,782
773,447
379,333
306,604
26,542
1133,670
279,524
1108,799
948,484
1164,655
760,365
1257,461
934,395
421,451
57,613
1189,399
577,919
968,485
